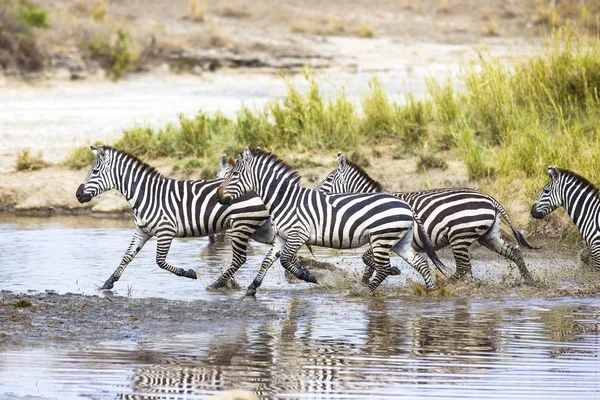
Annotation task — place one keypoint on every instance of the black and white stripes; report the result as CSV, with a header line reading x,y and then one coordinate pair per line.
x,y
300,215
454,217
168,208
580,199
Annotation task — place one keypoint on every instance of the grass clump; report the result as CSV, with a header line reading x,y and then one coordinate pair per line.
x,y
32,15
23,303
28,162
81,157
196,10
365,30
115,54
196,167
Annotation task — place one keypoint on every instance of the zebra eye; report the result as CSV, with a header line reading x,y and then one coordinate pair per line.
x,y
95,170
235,173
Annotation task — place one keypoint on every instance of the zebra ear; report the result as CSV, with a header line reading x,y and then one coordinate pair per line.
x,y
553,172
224,161
341,161
98,151
246,154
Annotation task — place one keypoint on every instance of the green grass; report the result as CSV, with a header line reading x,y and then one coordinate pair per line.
x,y
117,55
505,122
81,157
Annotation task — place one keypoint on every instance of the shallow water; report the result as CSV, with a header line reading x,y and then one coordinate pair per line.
x,y
367,348
319,344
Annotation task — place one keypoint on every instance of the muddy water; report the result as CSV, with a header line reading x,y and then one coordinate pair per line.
x,y
318,344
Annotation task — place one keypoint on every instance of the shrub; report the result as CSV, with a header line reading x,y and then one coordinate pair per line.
x,y
365,30
81,157
28,162
18,48
116,55
31,15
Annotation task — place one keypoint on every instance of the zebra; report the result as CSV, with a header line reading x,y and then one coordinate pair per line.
x,y
454,217
301,215
580,199
168,208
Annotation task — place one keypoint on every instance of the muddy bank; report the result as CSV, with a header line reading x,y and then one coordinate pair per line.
x,y
53,320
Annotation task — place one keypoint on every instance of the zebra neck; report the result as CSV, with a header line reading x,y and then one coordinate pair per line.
x,y
135,183
275,192
582,205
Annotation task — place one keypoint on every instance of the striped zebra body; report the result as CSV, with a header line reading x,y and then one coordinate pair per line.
x,y
454,217
167,208
580,199
304,216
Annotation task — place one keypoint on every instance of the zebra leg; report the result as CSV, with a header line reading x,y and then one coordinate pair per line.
x,y
463,261
162,249
139,240
381,258
405,250
497,244
585,255
239,245
270,258
367,258
289,260
595,256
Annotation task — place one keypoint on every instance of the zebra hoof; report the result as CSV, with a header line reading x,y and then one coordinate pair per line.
x,y
191,274
394,271
310,278
107,286
251,292
232,284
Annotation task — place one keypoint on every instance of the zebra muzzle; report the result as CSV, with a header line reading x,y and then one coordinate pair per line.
x,y
82,196
535,213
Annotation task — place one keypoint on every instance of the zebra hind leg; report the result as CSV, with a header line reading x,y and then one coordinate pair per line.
x,y
162,249
417,261
381,259
463,261
367,258
498,245
289,259
595,256
239,246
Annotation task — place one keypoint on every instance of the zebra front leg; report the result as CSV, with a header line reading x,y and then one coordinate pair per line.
x,y
270,258
239,246
162,249
139,240
463,261
595,256
498,245
289,260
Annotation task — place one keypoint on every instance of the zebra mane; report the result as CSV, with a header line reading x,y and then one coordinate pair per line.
x,y
363,174
231,161
578,178
144,166
259,153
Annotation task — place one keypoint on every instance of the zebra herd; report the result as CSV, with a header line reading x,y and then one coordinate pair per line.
x,y
258,196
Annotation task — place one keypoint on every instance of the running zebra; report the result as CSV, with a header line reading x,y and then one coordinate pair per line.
x,y
304,216
580,198
168,208
454,217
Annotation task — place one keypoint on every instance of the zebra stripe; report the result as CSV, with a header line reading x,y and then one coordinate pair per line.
x,y
454,217
580,199
304,216
168,208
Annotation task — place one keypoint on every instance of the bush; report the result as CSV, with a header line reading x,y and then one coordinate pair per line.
x,y
116,55
81,157
18,48
28,162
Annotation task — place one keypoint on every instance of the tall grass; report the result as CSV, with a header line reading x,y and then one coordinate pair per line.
x,y
506,122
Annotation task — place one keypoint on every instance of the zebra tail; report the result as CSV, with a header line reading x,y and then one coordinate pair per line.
x,y
517,234
429,250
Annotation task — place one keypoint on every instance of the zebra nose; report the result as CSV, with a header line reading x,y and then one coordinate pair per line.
x,y
535,213
79,193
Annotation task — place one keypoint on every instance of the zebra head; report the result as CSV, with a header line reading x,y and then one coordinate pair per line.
x,y
550,198
238,181
227,163
98,178
348,177
336,181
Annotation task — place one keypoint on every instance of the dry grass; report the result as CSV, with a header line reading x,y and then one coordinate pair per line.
x,y
212,37
444,8
490,28
365,30
197,10
321,25
237,10
28,162
99,13
412,5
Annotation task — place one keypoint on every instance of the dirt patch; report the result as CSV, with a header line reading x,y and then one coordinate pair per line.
x,y
52,319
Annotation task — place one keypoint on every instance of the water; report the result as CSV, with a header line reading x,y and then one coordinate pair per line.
x,y
324,345
372,348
